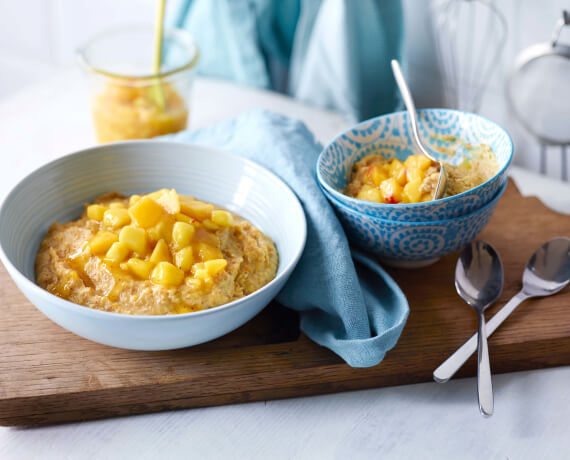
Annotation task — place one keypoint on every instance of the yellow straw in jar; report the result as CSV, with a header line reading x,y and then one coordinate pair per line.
x,y
156,90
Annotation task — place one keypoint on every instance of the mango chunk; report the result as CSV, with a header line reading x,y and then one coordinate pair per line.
x,y
210,225
146,212
160,253
155,233
184,259
182,218
411,161
117,253
116,218
375,174
207,252
197,209
370,193
181,309
133,199
95,212
398,171
155,196
135,238
182,234
391,191
215,266
195,284
140,268
424,162
200,272
412,190
414,174
222,218
116,205
169,201
102,241
162,230
167,274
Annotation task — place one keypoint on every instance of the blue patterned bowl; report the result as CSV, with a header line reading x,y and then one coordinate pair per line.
x,y
58,191
390,136
413,244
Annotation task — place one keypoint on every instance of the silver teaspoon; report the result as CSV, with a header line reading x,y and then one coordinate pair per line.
x,y
479,281
546,273
441,186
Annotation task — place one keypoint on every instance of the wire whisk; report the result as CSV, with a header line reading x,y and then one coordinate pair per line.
x,y
470,36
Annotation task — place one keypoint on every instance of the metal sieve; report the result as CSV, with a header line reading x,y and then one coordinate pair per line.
x,y
538,93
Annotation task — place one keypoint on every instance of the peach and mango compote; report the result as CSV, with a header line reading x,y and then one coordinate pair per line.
x,y
165,237
156,253
383,180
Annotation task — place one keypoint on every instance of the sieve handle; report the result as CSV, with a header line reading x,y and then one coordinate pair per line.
x,y
563,21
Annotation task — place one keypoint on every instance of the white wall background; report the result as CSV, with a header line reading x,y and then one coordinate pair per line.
x,y
38,37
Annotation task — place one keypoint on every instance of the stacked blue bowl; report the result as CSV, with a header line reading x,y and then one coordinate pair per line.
x,y
416,234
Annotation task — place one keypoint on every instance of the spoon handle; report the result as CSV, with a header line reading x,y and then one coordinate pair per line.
x,y
409,103
451,365
484,383
411,108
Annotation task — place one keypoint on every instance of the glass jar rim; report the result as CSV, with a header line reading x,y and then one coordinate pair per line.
x,y
179,34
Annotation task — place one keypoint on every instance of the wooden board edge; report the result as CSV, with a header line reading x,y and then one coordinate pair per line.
x,y
15,414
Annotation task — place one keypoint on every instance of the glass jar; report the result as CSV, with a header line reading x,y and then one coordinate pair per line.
x,y
127,100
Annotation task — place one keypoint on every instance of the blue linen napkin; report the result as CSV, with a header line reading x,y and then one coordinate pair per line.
x,y
356,310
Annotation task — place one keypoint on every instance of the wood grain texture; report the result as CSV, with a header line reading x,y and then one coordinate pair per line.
x,y
48,375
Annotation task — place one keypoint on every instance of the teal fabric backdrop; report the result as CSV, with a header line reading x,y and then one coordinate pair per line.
x,y
330,53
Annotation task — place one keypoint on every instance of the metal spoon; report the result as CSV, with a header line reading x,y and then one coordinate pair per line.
x,y
546,273
411,107
479,281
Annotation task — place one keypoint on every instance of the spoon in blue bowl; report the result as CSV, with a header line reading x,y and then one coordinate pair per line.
x,y
441,186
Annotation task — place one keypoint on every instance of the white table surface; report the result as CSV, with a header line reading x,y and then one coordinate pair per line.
x,y
532,409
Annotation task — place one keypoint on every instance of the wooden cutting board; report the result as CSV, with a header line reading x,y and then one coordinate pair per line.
x,y
49,375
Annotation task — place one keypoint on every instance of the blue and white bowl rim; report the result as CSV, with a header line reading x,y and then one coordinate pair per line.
x,y
91,312
356,201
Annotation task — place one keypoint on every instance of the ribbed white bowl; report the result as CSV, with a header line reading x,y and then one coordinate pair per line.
x,y
58,191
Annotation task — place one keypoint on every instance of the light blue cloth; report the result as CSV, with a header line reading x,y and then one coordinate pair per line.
x,y
330,53
358,316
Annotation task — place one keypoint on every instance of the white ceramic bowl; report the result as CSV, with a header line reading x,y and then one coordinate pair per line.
x,y
58,191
